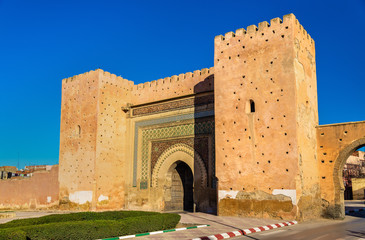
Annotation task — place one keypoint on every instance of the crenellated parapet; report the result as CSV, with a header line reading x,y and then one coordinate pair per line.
x,y
79,76
99,72
174,79
263,34
175,86
276,24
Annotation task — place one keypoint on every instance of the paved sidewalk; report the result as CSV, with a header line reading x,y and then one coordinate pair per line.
x,y
352,206
217,224
355,203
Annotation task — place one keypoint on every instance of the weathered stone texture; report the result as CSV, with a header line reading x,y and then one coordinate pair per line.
x,y
39,191
270,148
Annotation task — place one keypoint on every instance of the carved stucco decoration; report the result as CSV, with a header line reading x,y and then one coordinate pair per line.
x,y
184,153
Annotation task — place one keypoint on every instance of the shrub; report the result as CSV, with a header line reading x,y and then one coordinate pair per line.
x,y
80,216
11,234
93,229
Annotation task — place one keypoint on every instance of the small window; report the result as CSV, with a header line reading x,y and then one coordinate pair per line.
x,y
250,106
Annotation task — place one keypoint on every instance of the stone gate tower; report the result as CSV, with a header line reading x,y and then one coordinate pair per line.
x,y
236,139
265,117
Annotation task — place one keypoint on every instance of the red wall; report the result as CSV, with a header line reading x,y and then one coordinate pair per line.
x,y
30,192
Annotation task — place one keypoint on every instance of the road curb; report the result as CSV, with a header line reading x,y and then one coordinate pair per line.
x,y
355,210
152,233
245,231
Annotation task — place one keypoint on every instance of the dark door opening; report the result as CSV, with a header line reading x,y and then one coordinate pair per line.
x,y
187,179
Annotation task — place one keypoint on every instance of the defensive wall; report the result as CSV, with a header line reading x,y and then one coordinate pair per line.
x,y
97,131
336,142
39,191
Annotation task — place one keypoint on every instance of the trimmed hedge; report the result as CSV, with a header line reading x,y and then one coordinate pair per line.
x,y
12,234
92,229
80,216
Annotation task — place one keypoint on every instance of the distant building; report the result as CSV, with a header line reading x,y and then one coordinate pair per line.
x,y
7,172
8,168
354,176
37,168
29,188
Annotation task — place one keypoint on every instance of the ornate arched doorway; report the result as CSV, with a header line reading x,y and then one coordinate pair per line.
x,y
179,191
181,173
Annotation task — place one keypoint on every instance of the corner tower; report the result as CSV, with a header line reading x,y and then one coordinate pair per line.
x,y
265,117
93,140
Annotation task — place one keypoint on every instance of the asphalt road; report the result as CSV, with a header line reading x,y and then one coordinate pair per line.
x,y
353,227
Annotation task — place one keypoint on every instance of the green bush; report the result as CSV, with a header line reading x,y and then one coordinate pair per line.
x,y
11,234
80,216
93,229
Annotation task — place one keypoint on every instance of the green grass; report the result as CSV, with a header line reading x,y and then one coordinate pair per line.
x,y
87,225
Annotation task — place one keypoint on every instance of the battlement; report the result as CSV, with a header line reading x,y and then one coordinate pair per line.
x,y
92,73
79,76
169,87
173,79
276,24
167,80
175,86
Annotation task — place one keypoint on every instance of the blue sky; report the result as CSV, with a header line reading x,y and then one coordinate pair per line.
x,y
43,42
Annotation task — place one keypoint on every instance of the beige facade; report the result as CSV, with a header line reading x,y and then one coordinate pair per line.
x,y
358,188
240,138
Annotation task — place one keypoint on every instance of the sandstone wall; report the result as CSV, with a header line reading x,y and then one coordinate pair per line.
x,y
112,144
39,191
336,142
92,139
96,142
260,149
308,189
78,137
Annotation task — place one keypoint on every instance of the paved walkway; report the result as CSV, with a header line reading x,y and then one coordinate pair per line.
x,y
217,224
354,205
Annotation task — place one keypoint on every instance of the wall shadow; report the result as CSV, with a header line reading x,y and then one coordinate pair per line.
x,y
205,197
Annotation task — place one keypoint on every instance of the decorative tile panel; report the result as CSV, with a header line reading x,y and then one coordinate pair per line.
x,y
174,105
165,132
199,144
148,135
